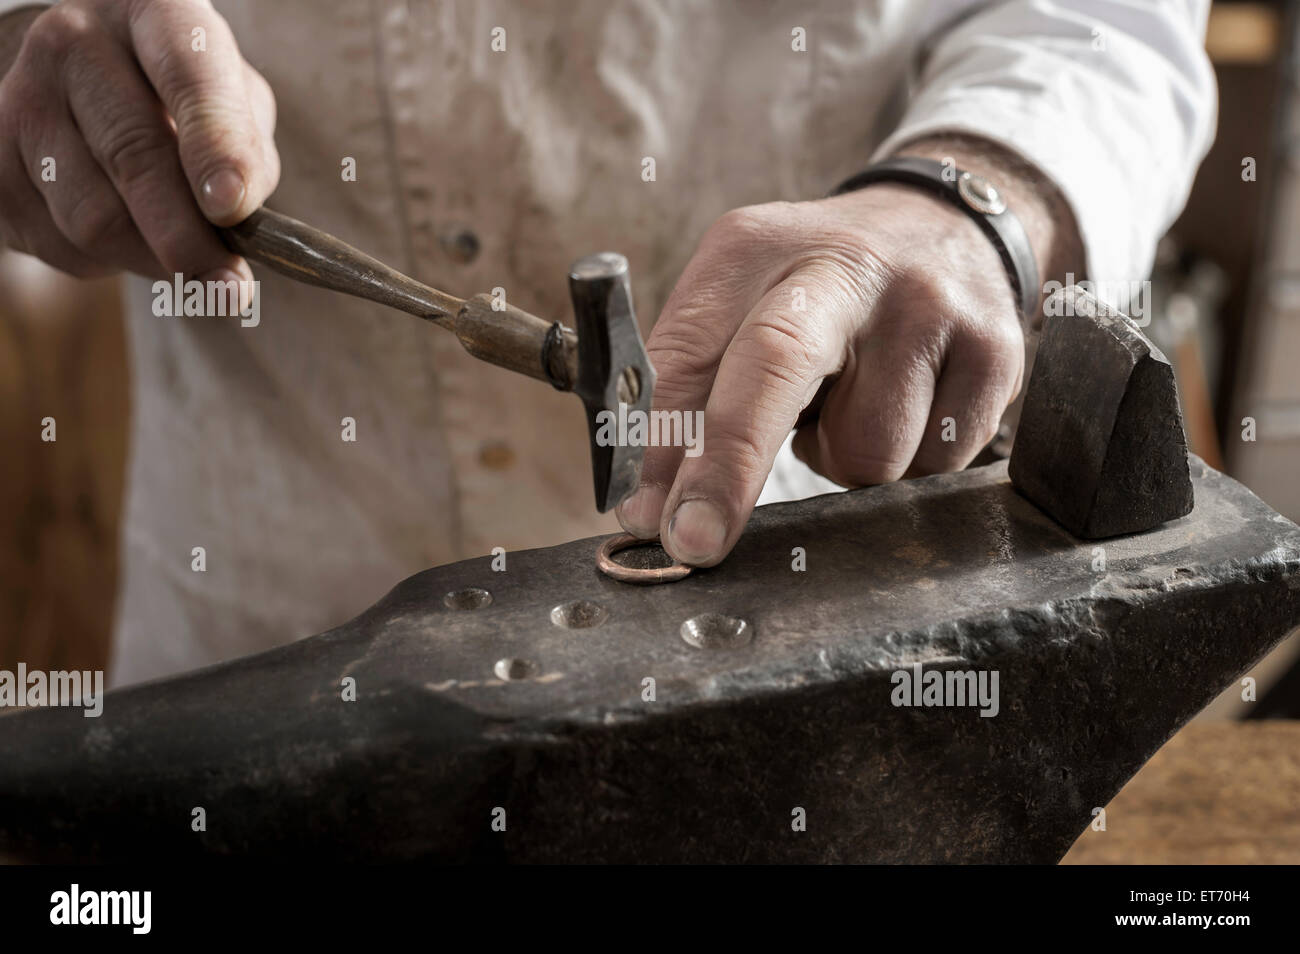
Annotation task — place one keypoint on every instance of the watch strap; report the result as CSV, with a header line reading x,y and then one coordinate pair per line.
x,y
979,199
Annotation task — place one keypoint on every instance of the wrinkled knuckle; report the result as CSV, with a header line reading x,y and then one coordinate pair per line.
x,y
851,263
680,361
223,138
173,65
779,347
134,150
688,338
737,452
223,142
674,391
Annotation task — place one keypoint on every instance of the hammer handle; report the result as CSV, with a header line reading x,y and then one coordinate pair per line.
x,y
494,332
305,254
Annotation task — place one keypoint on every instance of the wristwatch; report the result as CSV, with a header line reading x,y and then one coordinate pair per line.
x,y
979,199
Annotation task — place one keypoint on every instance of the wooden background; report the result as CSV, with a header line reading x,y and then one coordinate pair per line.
x,y
62,355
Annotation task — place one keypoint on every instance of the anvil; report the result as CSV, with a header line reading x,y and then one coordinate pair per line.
x,y
750,712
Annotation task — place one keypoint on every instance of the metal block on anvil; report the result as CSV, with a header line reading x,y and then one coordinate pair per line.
x,y
1100,444
636,739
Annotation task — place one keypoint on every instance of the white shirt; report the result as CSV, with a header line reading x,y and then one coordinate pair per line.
x,y
540,150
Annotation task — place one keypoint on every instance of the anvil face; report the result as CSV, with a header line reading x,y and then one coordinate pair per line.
x,y
611,722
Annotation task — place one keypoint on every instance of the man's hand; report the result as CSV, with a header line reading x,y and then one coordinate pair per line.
x,y
895,299
121,143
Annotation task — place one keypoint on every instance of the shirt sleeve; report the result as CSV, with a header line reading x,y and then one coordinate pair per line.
x,y
1114,100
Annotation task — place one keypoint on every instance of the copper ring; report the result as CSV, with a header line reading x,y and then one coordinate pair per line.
x,y
626,574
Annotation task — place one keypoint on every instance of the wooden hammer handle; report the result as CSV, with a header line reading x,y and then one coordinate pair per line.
x,y
306,254
494,332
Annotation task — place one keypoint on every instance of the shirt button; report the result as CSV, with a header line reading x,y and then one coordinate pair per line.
x,y
460,244
496,456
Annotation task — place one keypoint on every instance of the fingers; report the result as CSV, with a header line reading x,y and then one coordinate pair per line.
x,y
124,117
874,419
918,363
887,417
707,306
24,218
980,378
82,203
190,57
126,130
770,371
26,223
684,349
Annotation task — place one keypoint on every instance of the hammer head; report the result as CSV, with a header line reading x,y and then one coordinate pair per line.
x,y
615,378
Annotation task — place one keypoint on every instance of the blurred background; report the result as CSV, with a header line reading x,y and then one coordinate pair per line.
x,y
1225,309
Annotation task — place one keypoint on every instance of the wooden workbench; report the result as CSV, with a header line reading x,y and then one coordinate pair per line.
x,y
1216,793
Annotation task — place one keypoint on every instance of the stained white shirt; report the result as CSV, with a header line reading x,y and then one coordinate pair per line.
x,y
540,151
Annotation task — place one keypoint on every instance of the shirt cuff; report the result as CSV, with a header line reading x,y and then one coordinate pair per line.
x,y
1119,130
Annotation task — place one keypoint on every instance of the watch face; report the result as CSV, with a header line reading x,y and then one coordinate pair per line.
x,y
980,194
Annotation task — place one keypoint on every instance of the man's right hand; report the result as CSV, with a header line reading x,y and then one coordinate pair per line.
x,y
127,129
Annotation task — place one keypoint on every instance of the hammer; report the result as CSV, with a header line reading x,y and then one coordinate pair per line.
x,y
604,363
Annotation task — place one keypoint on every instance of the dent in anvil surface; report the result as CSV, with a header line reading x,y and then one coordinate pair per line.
x,y
1096,670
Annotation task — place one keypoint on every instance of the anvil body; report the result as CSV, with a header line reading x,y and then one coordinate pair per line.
x,y
623,742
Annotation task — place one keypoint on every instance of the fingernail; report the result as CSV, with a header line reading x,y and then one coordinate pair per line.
x,y
697,533
640,513
222,193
